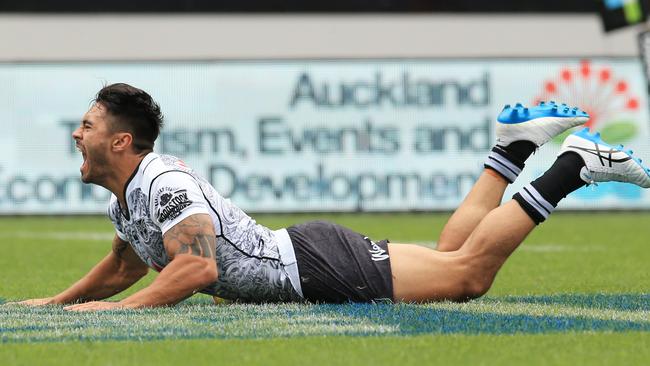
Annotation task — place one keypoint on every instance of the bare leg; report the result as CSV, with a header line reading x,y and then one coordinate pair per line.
x,y
429,275
422,274
486,195
480,235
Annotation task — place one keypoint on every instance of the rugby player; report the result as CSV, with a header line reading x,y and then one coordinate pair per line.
x,y
169,218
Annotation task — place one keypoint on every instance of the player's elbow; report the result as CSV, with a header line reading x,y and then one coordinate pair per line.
x,y
133,274
206,274
195,272
138,273
209,276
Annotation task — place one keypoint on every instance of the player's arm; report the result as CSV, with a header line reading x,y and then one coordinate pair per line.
x,y
191,245
120,269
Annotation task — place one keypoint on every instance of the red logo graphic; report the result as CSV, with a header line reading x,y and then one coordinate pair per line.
x,y
609,101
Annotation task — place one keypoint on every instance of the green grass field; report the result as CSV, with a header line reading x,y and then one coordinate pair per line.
x,y
576,292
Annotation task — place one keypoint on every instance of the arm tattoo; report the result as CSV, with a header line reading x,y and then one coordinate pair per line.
x,y
119,246
194,237
202,246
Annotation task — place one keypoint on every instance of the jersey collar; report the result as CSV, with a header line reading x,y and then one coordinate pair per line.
x,y
144,163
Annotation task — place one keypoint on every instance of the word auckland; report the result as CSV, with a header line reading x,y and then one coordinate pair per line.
x,y
403,91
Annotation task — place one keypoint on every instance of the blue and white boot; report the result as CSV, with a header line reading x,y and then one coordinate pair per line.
x,y
537,124
604,162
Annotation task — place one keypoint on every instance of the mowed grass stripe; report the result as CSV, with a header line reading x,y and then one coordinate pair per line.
x,y
505,308
529,349
201,320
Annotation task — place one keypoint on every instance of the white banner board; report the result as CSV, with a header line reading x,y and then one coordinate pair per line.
x,y
371,135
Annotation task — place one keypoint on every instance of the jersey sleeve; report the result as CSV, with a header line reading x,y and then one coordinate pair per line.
x,y
113,212
175,196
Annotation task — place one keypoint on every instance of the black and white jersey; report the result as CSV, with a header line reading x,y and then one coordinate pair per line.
x,y
254,263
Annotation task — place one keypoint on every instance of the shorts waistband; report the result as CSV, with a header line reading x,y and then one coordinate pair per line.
x,y
288,258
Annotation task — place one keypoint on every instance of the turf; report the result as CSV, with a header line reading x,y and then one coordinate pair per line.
x,y
576,291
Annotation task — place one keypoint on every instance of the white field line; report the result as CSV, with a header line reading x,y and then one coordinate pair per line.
x,y
558,310
60,235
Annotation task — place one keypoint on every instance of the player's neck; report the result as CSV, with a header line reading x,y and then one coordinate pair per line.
x,y
123,171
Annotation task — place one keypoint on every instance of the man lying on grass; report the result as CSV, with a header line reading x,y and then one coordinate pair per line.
x,y
168,218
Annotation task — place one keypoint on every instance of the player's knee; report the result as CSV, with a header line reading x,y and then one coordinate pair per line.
x,y
474,284
476,287
470,290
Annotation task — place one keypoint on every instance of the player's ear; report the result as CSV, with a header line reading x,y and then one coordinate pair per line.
x,y
121,141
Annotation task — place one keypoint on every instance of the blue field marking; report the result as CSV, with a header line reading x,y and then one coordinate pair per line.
x,y
413,319
198,319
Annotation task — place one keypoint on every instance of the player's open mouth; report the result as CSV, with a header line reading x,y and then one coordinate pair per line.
x,y
83,155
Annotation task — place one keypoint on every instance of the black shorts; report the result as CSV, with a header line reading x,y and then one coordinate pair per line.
x,y
338,265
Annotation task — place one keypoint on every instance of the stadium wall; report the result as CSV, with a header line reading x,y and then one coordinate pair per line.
x,y
310,122
182,37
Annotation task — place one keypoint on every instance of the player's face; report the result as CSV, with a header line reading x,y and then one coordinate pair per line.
x,y
93,137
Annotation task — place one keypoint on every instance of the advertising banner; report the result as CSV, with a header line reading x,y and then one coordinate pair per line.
x,y
289,136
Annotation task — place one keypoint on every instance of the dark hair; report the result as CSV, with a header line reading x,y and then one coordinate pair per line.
x,y
134,111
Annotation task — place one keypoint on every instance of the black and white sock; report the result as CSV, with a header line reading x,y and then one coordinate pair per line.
x,y
542,195
509,160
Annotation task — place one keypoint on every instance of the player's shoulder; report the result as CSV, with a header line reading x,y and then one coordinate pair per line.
x,y
174,191
155,164
165,170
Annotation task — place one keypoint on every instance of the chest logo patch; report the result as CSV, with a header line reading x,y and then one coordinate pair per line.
x,y
170,203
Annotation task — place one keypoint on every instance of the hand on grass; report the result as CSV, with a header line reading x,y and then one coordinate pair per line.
x,y
95,306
